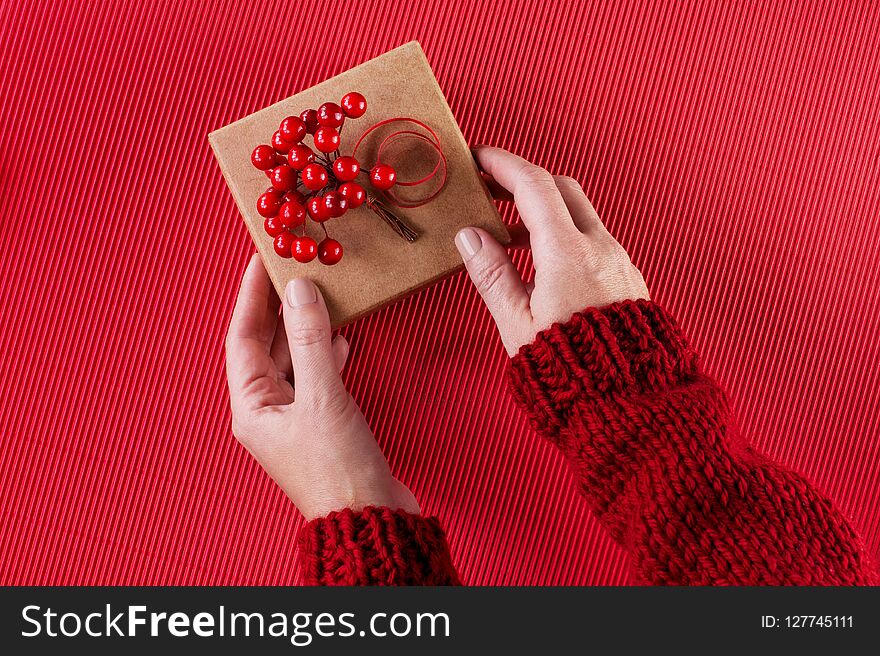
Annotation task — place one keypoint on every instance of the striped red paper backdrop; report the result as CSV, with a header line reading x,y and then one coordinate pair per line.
x,y
732,148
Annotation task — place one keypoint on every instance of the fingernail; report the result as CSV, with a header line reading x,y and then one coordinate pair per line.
x,y
468,243
301,291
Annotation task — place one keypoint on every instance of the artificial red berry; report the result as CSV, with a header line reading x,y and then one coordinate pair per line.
x,y
293,129
330,115
304,249
292,215
310,118
346,168
354,104
279,144
335,204
326,139
263,157
283,178
383,176
314,177
273,226
299,156
269,203
353,193
329,251
295,196
283,243
317,210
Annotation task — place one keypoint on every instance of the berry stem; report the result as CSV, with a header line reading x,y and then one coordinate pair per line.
x,y
392,219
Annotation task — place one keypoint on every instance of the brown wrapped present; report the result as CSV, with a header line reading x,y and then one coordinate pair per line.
x,y
378,266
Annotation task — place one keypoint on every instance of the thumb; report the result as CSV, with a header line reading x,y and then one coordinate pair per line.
x,y
499,284
307,325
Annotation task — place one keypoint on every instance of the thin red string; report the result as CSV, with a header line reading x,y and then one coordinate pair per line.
x,y
394,198
403,133
433,141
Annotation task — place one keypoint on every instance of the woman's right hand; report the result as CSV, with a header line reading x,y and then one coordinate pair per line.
x,y
578,264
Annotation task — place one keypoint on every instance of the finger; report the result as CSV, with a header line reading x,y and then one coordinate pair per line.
x,y
307,325
498,283
498,192
280,352
256,307
247,341
340,348
579,206
537,197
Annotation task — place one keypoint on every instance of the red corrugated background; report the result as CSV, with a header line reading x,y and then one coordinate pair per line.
x,y
732,147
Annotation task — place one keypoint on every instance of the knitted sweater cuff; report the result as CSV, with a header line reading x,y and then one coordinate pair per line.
x,y
629,348
375,546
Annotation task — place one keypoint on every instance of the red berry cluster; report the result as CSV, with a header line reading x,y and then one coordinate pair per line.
x,y
308,184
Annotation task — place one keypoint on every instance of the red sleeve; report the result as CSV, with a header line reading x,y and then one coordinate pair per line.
x,y
375,546
660,461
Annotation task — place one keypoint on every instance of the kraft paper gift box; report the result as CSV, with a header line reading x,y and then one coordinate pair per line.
x,y
378,266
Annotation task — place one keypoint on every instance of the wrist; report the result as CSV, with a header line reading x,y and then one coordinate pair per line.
x,y
389,493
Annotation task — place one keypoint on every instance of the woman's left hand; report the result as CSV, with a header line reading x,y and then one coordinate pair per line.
x,y
290,408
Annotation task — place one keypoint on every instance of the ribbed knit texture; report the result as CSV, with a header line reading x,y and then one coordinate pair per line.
x,y
375,546
659,459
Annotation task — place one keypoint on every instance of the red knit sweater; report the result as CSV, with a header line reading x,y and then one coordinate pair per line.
x,y
658,457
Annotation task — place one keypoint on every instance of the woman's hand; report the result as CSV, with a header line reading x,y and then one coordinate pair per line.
x,y
578,264
290,408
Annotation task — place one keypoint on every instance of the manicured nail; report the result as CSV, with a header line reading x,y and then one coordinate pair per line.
x,y
301,291
468,242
